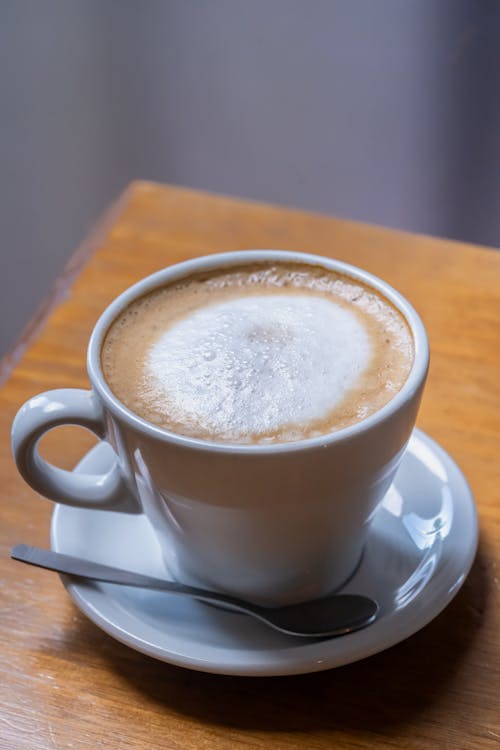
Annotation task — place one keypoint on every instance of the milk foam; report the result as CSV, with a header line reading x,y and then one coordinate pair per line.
x,y
234,366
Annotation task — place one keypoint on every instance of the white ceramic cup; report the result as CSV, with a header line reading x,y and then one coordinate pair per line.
x,y
275,524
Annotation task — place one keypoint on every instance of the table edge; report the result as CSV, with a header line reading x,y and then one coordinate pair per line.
x,y
62,283
79,259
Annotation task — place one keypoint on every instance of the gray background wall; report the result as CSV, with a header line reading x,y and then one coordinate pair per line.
x,y
386,111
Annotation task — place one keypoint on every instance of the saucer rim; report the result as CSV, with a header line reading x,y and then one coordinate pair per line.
x,y
306,655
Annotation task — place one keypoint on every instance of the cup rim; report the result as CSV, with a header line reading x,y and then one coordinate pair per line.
x,y
177,271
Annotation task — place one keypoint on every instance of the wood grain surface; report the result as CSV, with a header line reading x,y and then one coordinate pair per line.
x,y
66,684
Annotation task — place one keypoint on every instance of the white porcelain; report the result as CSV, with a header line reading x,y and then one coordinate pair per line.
x,y
271,523
419,550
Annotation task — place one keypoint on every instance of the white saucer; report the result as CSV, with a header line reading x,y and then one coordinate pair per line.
x,y
420,548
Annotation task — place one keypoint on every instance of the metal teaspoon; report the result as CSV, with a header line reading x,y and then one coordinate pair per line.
x,y
333,615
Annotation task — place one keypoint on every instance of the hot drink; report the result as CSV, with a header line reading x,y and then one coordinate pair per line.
x,y
267,353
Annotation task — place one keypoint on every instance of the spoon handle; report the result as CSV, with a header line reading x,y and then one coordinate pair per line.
x,y
76,566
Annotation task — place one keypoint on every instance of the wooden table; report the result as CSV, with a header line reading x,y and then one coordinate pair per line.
x,y
66,684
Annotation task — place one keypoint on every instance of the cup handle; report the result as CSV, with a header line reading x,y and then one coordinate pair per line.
x,y
51,409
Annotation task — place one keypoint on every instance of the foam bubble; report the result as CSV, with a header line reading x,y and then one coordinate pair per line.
x,y
253,365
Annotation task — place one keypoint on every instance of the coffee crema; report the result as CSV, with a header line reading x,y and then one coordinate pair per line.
x,y
263,353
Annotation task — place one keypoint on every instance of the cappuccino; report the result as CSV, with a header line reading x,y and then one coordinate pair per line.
x,y
264,353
